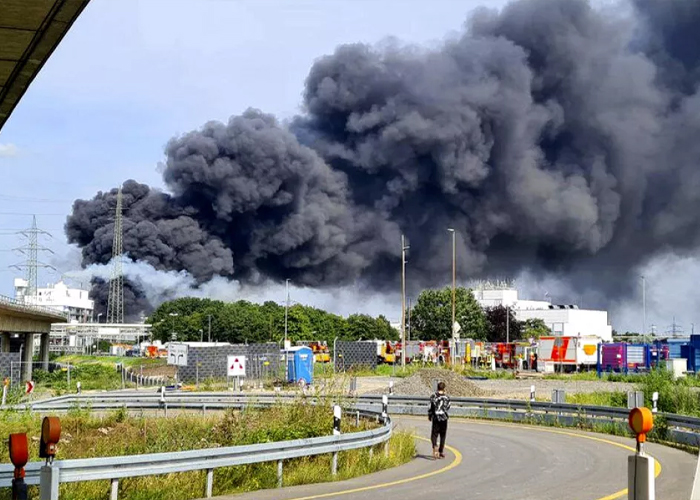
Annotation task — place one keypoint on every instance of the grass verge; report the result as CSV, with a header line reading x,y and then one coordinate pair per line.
x,y
118,433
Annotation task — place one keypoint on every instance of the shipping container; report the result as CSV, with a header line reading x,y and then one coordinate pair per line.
x,y
623,357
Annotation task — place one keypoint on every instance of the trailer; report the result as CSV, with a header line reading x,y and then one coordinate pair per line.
x,y
622,357
567,353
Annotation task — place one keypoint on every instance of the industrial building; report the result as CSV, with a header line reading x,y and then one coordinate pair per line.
x,y
565,320
74,302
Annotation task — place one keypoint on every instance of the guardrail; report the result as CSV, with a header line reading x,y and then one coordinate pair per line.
x,y
116,468
680,429
22,306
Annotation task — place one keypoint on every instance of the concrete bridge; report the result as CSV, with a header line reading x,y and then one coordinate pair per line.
x,y
27,321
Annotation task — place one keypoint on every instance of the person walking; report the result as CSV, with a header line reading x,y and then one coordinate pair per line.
x,y
438,415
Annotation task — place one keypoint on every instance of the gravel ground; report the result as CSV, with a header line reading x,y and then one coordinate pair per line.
x,y
496,388
421,383
520,389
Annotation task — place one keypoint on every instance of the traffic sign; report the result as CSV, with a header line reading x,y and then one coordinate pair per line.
x,y
236,366
177,354
29,387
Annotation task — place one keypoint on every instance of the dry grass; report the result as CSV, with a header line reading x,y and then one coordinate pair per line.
x,y
88,435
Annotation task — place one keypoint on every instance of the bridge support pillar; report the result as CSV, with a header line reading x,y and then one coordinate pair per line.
x,y
27,355
44,351
6,339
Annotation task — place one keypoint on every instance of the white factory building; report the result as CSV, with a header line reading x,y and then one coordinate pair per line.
x,y
566,320
73,301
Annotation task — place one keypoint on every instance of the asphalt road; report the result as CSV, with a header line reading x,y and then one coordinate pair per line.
x,y
498,461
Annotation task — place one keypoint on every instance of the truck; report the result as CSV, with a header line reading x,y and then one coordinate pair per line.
x,y
386,352
560,353
318,348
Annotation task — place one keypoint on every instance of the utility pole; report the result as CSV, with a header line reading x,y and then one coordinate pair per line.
x,y
115,301
286,315
32,264
454,281
404,247
507,324
209,327
644,306
409,320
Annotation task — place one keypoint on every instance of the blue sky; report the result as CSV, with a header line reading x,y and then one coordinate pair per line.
x,y
133,73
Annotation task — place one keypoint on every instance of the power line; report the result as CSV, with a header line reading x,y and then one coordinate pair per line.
x,y
25,213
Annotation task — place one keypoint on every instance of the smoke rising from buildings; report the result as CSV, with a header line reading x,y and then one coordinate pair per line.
x,y
555,138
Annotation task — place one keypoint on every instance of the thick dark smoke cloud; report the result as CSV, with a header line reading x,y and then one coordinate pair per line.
x,y
552,136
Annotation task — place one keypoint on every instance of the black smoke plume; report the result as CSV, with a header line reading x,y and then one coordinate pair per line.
x,y
551,136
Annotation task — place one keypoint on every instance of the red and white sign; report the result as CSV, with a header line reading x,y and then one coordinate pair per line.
x,y
29,387
236,366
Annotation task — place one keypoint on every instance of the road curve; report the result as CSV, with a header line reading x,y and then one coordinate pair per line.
x,y
498,461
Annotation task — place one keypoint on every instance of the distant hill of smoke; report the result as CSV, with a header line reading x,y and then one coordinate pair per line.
x,y
552,136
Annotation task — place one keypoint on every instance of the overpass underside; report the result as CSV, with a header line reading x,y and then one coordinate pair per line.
x,y
28,322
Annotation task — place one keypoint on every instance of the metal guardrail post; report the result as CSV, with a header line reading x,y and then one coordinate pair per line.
x,y
279,473
210,483
48,482
114,489
334,464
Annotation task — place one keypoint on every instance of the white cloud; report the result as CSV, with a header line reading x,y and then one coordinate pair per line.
x,y
7,150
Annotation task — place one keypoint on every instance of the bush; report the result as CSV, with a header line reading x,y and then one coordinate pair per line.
x,y
675,396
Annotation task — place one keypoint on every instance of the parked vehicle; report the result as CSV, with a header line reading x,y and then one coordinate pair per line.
x,y
623,357
386,352
566,354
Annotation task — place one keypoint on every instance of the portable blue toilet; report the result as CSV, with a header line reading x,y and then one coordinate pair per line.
x,y
300,365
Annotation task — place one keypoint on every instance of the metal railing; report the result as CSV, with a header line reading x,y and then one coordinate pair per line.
x,y
684,428
680,429
116,468
21,306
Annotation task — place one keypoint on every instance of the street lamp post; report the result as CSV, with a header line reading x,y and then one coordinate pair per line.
x,y
286,316
404,247
454,286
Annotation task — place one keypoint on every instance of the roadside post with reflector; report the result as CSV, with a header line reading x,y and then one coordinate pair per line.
x,y
640,466
5,385
654,401
48,478
19,455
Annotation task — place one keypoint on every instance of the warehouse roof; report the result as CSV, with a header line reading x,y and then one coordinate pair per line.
x,y
30,30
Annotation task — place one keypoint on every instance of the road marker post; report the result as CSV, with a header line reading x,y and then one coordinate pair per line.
x,y
19,455
532,393
337,413
5,384
654,401
640,466
49,475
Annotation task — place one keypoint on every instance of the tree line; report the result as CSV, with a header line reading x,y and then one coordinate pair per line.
x,y
189,319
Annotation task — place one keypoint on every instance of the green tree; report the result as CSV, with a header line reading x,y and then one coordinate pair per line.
x,y
502,325
431,317
535,328
362,327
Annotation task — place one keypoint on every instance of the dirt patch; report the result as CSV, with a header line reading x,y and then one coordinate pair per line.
x,y
421,384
